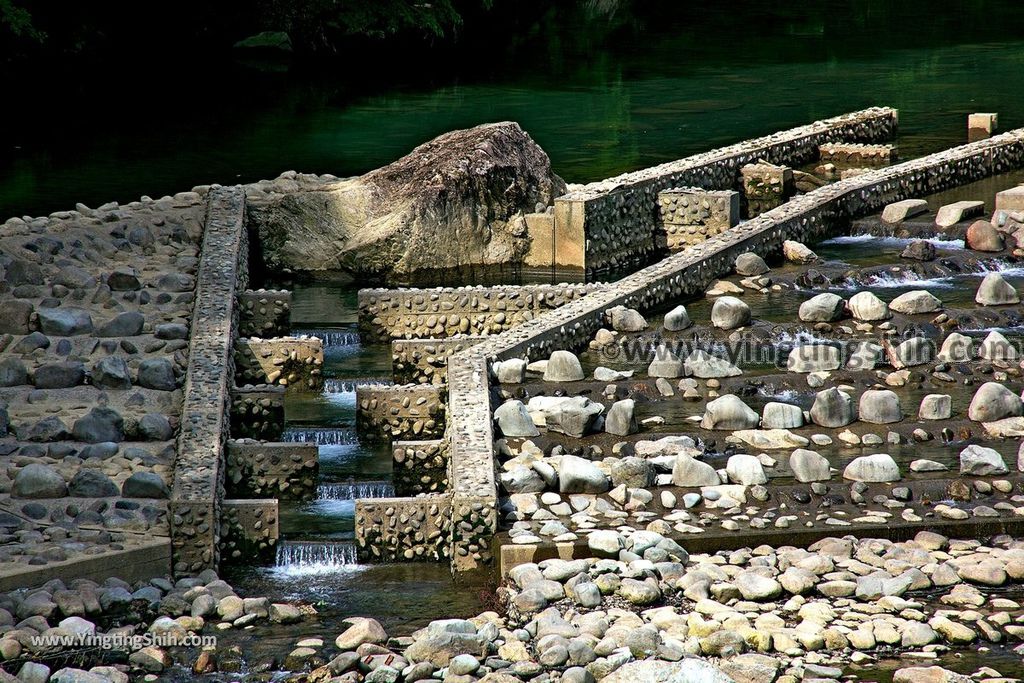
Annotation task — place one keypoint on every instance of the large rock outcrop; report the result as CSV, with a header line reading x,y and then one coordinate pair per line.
x,y
457,201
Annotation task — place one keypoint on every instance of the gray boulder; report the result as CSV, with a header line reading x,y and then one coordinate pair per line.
x,y
956,348
38,481
993,401
124,279
915,351
99,425
514,420
729,412
14,316
576,475
145,485
127,324
982,462
157,373
64,322
563,366
111,373
809,466
510,371
155,427
876,468
48,429
936,407
703,365
868,307
92,483
833,408
781,416
665,364
746,470
59,375
880,406
995,291
624,319
690,670
677,319
915,303
632,472
808,358
621,419
728,313
750,264
12,372
575,416
822,308
688,471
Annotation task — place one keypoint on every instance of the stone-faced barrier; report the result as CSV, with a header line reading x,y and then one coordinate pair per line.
x,y
425,361
265,313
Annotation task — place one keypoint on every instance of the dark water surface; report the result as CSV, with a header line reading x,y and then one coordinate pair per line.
x,y
604,86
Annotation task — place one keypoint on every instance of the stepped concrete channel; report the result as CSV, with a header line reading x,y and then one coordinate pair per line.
x,y
630,202
157,445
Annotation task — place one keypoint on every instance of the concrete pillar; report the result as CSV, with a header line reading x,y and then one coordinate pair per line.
x,y
981,126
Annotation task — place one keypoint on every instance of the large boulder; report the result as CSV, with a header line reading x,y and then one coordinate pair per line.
x,y
99,425
38,481
981,461
677,319
750,264
14,316
563,366
880,406
455,201
825,308
809,466
745,469
624,319
983,236
729,412
993,401
778,415
916,302
514,420
64,322
995,291
574,416
868,307
688,471
577,475
876,468
833,408
956,348
665,363
703,365
808,358
728,313
621,418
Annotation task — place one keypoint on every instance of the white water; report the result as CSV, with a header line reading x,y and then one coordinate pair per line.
x,y
355,489
322,436
893,241
330,338
304,558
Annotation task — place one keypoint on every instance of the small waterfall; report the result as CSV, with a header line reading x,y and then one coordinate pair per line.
x,y
889,241
905,278
322,436
348,386
314,557
330,338
1004,268
351,490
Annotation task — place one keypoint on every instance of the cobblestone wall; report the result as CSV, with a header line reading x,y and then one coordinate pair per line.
x,y
265,313
257,412
425,361
619,215
690,215
285,361
403,529
257,469
198,485
394,413
249,528
420,466
685,274
386,314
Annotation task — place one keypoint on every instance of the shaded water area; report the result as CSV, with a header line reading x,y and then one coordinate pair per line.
x,y
604,87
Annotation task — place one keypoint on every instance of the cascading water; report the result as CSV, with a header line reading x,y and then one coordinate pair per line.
x,y
355,489
299,558
322,436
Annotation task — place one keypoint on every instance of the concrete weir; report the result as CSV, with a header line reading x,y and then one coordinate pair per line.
x,y
685,274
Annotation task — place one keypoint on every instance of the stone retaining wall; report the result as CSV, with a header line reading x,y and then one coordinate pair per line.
x,y
403,529
425,361
249,528
265,313
257,412
198,485
386,314
387,412
285,361
257,469
682,275
420,467
618,216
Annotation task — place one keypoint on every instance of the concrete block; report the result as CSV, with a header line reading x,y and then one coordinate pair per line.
x,y
981,126
951,214
900,211
1010,200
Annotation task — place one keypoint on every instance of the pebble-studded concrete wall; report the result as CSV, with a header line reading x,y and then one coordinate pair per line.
x,y
690,215
257,412
853,153
765,187
618,216
420,467
425,361
249,528
393,413
198,473
386,314
685,274
403,529
285,361
265,313
257,469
